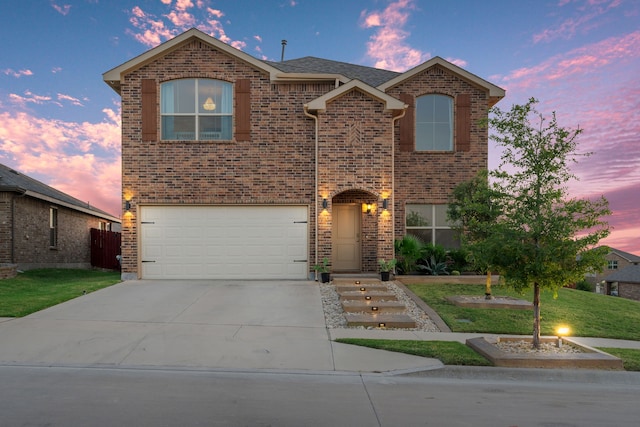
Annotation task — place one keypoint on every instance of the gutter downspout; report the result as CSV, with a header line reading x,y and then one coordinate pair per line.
x,y
393,172
315,119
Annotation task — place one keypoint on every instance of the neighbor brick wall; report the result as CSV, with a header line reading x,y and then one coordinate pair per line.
x,y
6,217
629,290
31,246
429,177
611,256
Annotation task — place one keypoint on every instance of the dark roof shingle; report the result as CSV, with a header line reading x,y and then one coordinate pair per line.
x,y
309,64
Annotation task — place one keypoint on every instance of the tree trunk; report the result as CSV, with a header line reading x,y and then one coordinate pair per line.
x,y
487,286
536,315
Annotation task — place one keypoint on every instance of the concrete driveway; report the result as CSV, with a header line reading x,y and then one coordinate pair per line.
x,y
193,324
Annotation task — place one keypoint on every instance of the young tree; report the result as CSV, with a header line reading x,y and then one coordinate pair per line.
x,y
545,237
474,209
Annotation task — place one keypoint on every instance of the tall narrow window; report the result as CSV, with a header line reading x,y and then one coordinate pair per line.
x,y
196,110
434,123
53,227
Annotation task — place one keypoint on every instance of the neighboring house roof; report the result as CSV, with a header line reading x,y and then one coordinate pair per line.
x,y
302,69
630,274
634,259
15,182
310,64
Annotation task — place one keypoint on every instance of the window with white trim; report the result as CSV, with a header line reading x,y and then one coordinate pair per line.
x,y
612,264
431,224
196,110
53,227
434,123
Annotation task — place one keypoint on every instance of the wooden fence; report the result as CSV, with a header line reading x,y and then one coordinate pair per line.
x,y
105,249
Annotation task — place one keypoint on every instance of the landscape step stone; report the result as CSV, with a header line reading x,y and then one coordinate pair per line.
x,y
372,296
367,288
380,320
373,308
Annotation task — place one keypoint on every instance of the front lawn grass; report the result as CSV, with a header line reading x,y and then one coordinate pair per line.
x,y
448,352
35,290
587,314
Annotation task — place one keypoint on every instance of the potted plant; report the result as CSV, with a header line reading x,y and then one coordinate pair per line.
x,y
323,269
385,268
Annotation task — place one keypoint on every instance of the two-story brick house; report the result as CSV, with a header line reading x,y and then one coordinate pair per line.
x,y
235,167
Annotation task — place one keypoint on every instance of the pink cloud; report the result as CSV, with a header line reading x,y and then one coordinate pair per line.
x,y
591,12
30,98
63,10
459,62
387,46
65,155
74,101
17,74
595,88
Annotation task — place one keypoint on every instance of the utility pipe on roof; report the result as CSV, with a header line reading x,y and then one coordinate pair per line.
x,y
315,119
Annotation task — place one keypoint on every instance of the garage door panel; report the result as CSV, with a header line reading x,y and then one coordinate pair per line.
x,y
224,241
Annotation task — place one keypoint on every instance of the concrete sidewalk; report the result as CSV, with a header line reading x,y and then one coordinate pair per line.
x,y
193,324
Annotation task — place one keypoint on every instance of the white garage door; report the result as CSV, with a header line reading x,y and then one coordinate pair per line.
x,y
223,242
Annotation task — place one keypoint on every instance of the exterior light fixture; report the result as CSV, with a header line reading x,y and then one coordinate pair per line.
x,y
385,204
357,282
363,289
368,298
382,325
562,331
127,205
325,204
374,308
209,105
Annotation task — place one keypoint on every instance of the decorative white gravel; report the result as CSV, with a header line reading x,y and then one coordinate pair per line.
x,y
545,347
334,314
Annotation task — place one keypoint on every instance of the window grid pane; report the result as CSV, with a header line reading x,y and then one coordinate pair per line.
x,y
434,123
187,117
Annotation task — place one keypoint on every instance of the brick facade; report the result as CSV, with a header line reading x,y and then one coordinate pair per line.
x,y
25,236
358,159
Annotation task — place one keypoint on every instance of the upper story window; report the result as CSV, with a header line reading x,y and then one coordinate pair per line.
x,y
196,110
434,123
612,264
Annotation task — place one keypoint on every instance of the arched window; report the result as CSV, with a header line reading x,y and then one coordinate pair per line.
x,y
434,123
196,110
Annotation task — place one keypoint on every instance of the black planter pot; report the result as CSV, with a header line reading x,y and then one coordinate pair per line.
x,y
385,276
325,277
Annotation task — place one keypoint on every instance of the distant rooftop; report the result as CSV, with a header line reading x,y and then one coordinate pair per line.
x,y
630,274
14,181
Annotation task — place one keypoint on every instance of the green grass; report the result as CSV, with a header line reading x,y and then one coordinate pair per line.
x,y
588,314
35,290
448,352
630,357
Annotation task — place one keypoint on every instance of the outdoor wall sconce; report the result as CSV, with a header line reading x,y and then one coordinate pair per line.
x,y
127,205
325,204
366,207
385,204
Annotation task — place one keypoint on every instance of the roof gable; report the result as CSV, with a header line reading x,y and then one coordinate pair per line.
x,y
114,76
495,93
625,255
13,181
320,104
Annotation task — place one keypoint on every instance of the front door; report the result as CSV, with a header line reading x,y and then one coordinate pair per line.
x,y
346,238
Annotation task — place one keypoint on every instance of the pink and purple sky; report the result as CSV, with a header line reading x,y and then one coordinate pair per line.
x,y
60,124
